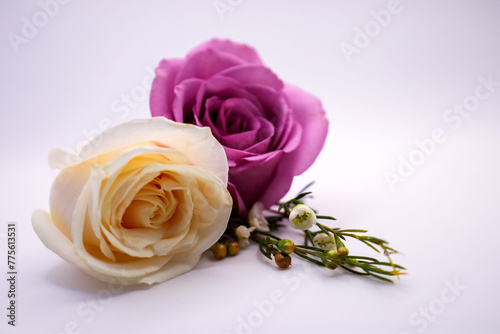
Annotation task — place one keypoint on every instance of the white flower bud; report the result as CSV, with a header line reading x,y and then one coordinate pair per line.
x,y
324,241
243,233
302,217
256,217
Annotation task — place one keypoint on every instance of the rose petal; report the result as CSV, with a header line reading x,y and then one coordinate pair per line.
x,y
206,63
162,88
184,101
310,115
64,193
254,175
239,205
253,74
277,112
57,242
244,52
201,148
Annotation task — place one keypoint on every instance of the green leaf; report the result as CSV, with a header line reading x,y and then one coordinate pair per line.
x,y
362,258
311,248
302,255
269,235
308,237
326,217
264,250
385,279
370,245
307,187
302,195
375,240
368,267
391,249
385,264
324,230
338,242
353,271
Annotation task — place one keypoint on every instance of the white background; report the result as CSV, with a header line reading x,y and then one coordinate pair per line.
x,y
63,82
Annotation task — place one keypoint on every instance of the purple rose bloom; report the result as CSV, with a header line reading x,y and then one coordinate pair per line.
x,y
271,131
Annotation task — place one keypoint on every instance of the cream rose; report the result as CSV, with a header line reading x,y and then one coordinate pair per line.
x,y
141,203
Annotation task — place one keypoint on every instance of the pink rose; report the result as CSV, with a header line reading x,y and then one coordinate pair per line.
x,y
271,131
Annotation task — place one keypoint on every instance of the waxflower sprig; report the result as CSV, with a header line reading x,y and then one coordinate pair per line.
x,y
324,247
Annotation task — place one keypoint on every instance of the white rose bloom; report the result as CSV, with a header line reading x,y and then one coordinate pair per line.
x,y
302,217
138,203
256,217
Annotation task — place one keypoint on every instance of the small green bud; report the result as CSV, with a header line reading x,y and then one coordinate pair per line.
x,y
282,260
331,265
333,254
343,252
233,248
219,250
286,246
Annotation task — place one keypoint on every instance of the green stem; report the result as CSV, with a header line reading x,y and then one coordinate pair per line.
x,y
304,256
326,217
310,248
267,234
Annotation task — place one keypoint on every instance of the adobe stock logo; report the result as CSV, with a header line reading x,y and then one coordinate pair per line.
x,y
421,319
223,6
265,308
363,37
31,26
453,116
